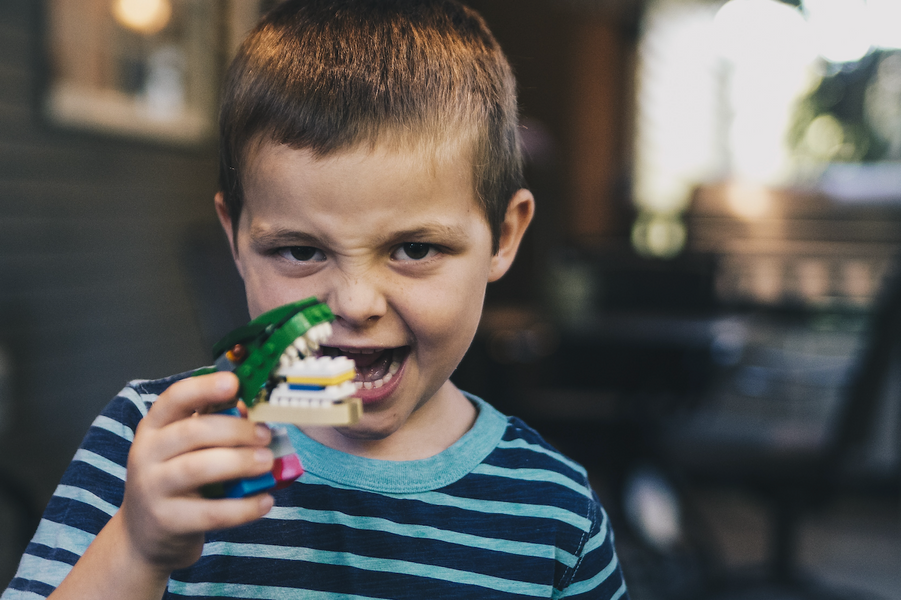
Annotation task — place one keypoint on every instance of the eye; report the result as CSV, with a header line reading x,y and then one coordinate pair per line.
x,y
413,251
301,253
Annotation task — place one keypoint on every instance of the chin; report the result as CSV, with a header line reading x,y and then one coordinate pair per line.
x,y
368,430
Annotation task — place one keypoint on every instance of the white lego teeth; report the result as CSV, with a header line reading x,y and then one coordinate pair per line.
x,y
318,334
285,396
319,365
305,345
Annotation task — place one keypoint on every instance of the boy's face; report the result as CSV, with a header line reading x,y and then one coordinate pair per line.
x,y
396,246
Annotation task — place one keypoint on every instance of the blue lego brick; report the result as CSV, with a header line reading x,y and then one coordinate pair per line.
x,y
248,487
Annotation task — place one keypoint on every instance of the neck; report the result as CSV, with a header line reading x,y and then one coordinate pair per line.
x,y
432,428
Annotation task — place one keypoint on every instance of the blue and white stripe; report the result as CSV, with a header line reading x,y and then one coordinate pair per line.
x,y
499,515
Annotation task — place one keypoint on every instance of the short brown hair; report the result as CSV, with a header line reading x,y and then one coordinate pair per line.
x,y
329,75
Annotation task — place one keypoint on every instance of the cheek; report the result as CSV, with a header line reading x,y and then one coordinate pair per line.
x,y
446,317
266,291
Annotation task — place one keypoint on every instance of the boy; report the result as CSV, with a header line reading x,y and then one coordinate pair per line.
x,y
369,158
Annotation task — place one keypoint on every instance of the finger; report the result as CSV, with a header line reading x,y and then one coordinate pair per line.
x,y
206,431
187,473
194,394
230,404
192,515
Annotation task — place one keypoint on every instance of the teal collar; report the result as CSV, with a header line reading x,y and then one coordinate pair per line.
x,y
405,477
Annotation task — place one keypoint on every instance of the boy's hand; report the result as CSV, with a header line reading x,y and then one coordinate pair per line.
x,y
177,449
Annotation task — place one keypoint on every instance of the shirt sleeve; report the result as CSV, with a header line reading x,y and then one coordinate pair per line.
x,y
598,574
89,493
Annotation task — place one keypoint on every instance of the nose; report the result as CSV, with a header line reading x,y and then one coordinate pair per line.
x,y
357,301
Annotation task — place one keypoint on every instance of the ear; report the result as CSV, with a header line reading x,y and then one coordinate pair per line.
x,y
519,214
225,220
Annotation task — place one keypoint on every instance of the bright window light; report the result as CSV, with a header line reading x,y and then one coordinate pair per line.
x,y
840,28
769,51
885,23
677,125
762,32
719,91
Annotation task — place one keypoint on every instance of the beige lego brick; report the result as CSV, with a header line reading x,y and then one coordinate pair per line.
x,y
342,412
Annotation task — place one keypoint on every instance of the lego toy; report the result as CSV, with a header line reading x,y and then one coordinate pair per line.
x,y
282,380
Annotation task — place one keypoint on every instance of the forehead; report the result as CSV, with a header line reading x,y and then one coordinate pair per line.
x,y
422,165
363,188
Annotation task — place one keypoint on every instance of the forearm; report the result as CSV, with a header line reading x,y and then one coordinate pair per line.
x,y
113,568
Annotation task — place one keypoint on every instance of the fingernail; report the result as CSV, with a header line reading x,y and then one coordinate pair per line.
x,y
263,455
266,503
262,432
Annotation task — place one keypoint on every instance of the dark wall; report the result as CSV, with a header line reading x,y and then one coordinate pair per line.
x,y
572,61
93,291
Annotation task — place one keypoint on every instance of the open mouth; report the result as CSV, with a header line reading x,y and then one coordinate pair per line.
x,y
375,368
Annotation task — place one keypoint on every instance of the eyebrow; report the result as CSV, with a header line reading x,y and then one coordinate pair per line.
x,y
262,238
271,237
453,234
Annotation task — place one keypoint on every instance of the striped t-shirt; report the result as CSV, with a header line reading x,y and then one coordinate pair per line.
x,y
499,514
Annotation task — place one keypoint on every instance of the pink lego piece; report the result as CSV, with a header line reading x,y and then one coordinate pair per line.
x,y
285,470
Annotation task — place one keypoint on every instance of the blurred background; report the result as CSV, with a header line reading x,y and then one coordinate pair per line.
x,y
706,311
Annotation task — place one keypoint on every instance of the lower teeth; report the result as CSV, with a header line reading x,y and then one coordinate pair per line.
x,y
368,385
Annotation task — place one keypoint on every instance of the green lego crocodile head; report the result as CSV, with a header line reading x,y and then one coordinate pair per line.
x,y
253,352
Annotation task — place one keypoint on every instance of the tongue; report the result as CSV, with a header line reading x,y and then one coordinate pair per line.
x,y
371,367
